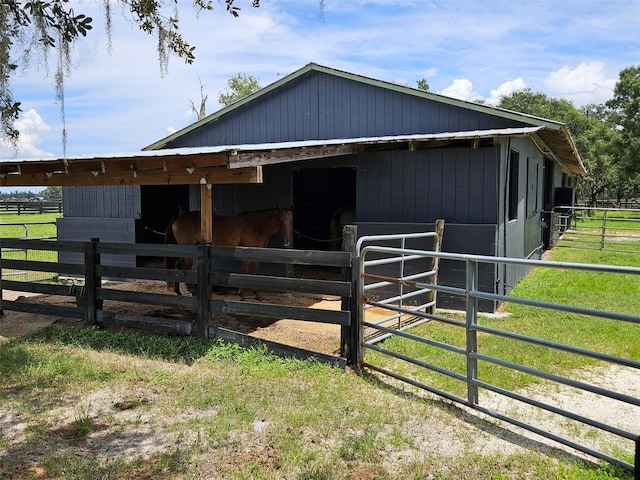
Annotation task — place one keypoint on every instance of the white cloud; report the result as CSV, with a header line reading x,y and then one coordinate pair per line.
x,y
586,83
505,89
461,88
31,127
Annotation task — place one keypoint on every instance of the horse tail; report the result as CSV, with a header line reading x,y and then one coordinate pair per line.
x,y
170,262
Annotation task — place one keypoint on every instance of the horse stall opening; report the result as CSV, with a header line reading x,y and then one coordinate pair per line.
x,y
159,204
317,194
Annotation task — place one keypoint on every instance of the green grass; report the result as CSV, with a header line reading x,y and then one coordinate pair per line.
x,y
33,231
204,400
320,422
601,291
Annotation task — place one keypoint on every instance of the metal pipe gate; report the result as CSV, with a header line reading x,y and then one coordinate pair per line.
x,y
467,371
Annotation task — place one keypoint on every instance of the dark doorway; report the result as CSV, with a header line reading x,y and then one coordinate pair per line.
x,y
317,194
159,205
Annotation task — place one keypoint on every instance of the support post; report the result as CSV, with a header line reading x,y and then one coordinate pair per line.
x,y
471,333
349,335
91,281
433,280
204,292
206,212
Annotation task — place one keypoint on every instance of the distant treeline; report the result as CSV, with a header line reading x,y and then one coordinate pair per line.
x,y
49,194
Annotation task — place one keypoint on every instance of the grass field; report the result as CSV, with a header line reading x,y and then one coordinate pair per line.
x,y
9,229
86,403
28,226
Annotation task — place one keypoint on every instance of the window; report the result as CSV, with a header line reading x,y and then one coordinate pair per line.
x,y
533,181
512,206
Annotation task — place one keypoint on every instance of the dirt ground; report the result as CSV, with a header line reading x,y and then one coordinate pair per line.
x,y
318,337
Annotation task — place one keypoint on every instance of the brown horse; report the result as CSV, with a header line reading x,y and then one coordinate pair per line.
x,y
345,215
246,229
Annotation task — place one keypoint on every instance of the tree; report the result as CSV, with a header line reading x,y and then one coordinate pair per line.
x,y
52,193
625,111
43,26
597,148
422,84
591,128
201,111
238,86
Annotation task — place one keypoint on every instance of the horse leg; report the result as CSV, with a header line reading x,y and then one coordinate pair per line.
x,y
176,285
171,264
245,269
254,268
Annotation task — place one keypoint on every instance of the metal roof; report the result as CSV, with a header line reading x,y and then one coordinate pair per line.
x,y
241,163
555,141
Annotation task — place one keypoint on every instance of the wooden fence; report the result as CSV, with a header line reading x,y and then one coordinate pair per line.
x,y
90,293
38,206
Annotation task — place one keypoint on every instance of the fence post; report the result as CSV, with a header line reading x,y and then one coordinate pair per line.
x,y
471,333
636,469
1,291
204,292
350,337
91,281
604,229
433,280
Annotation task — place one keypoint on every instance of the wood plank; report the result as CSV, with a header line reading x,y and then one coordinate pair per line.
x,y
38,244
43,288
253,159
44,309
335,317
147,249
153,324
283,255
206,213
141,273
280,284
35,266
212,175
165,300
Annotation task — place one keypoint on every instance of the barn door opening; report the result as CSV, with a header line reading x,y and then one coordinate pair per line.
x,y
159,205
317,194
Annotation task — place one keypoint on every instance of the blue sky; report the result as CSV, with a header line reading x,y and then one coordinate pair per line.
x,y
118,101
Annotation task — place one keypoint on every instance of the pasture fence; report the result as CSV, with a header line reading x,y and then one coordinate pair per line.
x,y
21,207
453,356
88,293
23,231
607,229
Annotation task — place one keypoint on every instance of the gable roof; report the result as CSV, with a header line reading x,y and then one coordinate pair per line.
x,y
553,139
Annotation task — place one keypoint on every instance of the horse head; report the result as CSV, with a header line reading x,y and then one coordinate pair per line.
x,y
285,217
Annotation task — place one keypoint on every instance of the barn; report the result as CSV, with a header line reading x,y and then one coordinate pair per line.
x,y
401,156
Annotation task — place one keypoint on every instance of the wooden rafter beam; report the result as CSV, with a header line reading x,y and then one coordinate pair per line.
x,y
252,159
133,176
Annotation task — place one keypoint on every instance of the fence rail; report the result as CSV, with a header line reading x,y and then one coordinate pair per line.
x,y
24,231
465,361
90,293
610,229
24,207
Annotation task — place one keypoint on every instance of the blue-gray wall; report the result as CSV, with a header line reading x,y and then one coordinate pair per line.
x,y
320,106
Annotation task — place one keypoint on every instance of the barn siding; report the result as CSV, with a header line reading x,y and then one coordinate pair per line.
x,y
457,184
102,202
105,229
319,106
